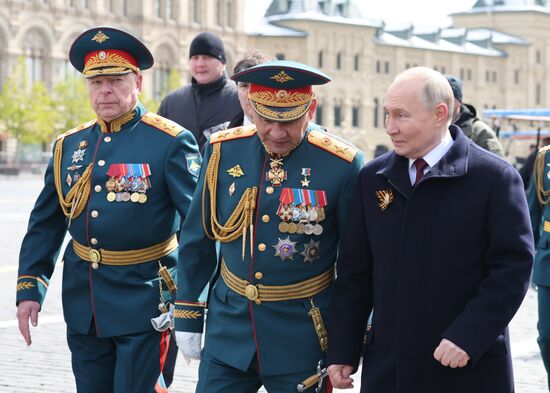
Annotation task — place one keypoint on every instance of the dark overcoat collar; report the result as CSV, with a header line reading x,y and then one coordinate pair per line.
x,y
454,163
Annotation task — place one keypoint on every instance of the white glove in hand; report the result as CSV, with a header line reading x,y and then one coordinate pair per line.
x,y
189,344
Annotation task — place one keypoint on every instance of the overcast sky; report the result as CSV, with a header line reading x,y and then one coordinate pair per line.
x,y
421,13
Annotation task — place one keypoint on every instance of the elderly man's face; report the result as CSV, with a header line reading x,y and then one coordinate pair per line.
x,y
414,129
205,69
280,137
111,96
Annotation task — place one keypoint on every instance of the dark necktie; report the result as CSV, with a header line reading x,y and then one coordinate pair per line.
x,y
420,165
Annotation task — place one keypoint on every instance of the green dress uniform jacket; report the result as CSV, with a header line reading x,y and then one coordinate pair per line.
x,y
280,333
121,299
540,217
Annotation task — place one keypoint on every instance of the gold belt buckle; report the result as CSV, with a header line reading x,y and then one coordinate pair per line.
x,y
251,292
95,257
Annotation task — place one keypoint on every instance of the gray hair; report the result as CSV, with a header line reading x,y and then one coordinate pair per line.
x,y
435,88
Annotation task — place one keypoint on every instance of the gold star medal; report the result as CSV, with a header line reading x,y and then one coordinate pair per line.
x,y
305,173
385,198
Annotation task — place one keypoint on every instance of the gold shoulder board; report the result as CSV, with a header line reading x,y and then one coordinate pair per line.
x,y
233,133
81,127
161,123
333,145
543,149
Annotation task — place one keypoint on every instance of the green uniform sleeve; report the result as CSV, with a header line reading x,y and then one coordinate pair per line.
x,y
197,260
41,245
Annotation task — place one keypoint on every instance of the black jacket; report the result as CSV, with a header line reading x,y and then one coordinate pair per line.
x,y
199,107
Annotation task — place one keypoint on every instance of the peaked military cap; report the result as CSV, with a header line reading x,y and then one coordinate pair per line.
x,y
109,51
281,90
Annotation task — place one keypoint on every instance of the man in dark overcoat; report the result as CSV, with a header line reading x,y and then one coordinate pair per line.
x,y
439,247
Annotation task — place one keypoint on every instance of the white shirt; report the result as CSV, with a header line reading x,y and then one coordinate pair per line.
x,y
432,157
246,121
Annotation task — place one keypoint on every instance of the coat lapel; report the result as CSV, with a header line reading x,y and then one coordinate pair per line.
x,y
396,170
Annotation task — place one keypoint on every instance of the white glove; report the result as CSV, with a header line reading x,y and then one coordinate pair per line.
x,y
164,321
189,344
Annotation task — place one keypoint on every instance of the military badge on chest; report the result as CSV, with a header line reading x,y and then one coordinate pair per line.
x,y
128,182
276,175
77,157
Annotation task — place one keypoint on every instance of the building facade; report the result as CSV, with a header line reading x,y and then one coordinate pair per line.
x,y
501,49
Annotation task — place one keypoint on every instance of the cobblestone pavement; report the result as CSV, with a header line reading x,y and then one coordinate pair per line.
x,y
44,367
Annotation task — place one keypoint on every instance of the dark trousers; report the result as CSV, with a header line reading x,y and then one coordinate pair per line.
x,y
121,364
218,377
543,327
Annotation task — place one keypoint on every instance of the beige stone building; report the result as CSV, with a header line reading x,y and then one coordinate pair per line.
x,y
500,48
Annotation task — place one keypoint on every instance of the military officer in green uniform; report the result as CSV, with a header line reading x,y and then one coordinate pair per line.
x,y
539,207
275,196
119,184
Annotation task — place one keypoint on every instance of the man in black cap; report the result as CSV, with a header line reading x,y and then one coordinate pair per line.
x,y
211,98
121,202
465,116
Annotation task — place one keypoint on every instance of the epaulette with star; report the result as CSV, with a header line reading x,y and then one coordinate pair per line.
x,y
162,123
81,127
333,145
233,133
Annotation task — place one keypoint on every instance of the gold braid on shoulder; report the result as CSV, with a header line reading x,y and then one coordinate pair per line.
x,y
74,202
542,194
242,217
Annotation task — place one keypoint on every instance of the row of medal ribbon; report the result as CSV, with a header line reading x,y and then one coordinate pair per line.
x,y
128,182
301,211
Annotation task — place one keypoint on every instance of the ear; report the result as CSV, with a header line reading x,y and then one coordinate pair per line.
x,y
441,112
139,81
312,108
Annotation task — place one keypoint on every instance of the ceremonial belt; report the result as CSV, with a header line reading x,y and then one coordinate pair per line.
x,y
130,257
275,293
546,226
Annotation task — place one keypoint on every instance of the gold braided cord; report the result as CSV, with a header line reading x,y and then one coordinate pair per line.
x,y
242,217
542,194
74,203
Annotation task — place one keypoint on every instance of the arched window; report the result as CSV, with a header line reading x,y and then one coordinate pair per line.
x,y
339,61
219,12
320,59
161,75
337,114
230,16
196,11
34,49
355,113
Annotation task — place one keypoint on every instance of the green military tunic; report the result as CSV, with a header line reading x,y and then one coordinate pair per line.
x,y
300,207
158,161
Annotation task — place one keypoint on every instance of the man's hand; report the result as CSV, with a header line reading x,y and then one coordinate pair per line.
x,y
449,354
340,376
25,310
189,344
